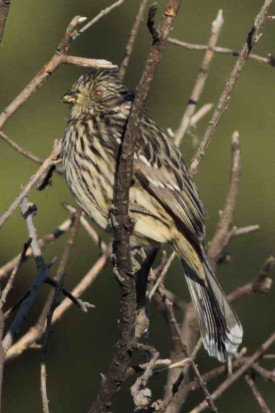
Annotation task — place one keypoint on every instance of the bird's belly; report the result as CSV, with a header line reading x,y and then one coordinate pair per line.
x,y
92,193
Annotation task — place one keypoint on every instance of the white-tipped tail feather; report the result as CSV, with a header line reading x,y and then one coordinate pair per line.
x,y
220,328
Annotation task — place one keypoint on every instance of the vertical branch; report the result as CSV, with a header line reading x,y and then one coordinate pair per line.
x,y
4,11
262,403
132,38
221,236
252,39
121,222
201,79
27,210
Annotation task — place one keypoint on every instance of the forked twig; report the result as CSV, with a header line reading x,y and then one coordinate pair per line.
x,y
250,42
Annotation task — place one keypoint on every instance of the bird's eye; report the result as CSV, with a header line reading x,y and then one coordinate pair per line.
x,y
98,93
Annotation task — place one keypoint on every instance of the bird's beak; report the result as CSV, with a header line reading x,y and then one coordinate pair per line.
x,y
71,97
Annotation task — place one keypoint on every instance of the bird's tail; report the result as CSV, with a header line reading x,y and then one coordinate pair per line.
x,y
220,327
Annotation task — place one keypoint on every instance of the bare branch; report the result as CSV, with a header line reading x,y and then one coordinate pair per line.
x,y
201,79
172,319
87,226
222,50
35,332
257,394
86,62
20,150
28,210
51,160
140,392
132,38
99,16
57,59
42,243
261,284
237,374
221,236
43,388
9,284
250,42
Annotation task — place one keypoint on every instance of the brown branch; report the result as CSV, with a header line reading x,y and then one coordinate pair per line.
x,y
250,42
237,374
43,387
223,50
99,16
36,331
223,369
262,403
140,392
50,303
261,284
57,59
19,149
50,161
201,79
86,62
4,11
172,319
42,243
27,210
9,284
87,226
132,38
122,225
222,236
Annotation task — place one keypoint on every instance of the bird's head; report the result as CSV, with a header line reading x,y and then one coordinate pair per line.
x,y
100,91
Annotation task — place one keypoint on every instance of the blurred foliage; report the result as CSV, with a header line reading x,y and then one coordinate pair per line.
x,y
81,344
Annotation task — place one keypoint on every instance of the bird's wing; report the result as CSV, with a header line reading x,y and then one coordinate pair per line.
x,y
159,167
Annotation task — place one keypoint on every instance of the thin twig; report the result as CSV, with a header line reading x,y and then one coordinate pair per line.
x,y
103,12
222,369
262,403
237,374
200,113
28,210
140,392
42,243
19,149
49,305
132,38
220,238
87,226
35,332
201,79
43,387
223,50
208,399
162,275
43,368
86,62
253,37
82,305
9,284
261,284
57,59
51,160
4,11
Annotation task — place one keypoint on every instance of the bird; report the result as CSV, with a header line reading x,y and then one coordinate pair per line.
x,y
164,204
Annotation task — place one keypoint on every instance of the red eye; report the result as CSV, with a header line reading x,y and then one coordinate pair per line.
x,y
98,93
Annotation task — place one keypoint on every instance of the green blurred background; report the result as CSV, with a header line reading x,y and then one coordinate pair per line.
x,y
81,344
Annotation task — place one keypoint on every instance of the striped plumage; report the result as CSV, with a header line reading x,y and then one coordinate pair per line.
x,y
164,203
